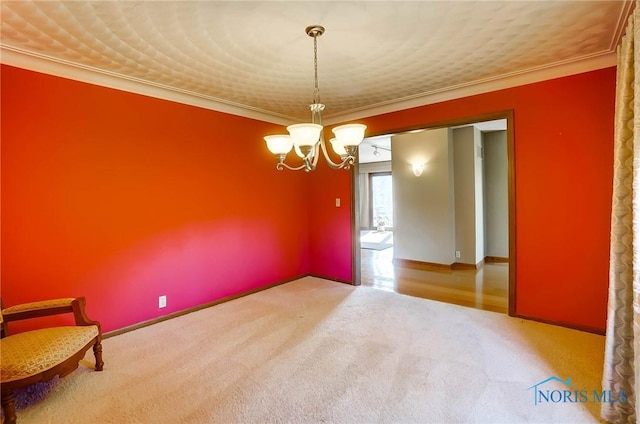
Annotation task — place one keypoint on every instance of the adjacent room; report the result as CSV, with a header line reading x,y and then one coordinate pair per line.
x,y
319,212
463,200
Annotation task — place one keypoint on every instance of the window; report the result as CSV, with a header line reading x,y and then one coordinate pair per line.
x,y
381,200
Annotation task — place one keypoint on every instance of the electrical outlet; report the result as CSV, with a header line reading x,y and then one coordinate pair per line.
x,y
457,254
337,202
162,301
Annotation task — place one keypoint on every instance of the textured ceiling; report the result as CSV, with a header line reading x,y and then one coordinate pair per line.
x,y
256,58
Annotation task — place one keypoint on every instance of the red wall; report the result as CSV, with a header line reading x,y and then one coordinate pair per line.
x,y
121,198
330,226
563,183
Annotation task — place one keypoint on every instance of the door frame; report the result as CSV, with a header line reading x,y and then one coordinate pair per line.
x,y
355,193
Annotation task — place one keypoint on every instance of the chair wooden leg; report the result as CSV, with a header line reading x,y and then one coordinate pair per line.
x,y
97,352
9,408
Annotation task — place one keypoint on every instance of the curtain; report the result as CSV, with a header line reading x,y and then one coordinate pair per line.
x,y
622,351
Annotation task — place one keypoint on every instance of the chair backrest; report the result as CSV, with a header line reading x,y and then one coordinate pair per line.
x,y
3,325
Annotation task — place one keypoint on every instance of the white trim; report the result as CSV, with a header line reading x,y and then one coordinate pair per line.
x,y
625,13
48,65
592,63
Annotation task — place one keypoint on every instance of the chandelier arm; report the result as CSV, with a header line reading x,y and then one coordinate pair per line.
x,y
281,165
316,150
346,162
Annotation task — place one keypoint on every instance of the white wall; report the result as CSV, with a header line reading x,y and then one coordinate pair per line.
x,y
459,203
468,183
478,163
496,194
424,206
464,188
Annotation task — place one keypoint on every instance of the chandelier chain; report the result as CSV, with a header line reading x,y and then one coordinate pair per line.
x,y
316,90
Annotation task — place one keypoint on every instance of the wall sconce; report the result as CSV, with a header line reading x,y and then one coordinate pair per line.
x,y
417,168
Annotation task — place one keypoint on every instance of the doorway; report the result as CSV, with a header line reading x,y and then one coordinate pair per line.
x,y
488,283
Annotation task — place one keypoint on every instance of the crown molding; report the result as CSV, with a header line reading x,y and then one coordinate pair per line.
x,y
621,26
45,64
514,79
53,66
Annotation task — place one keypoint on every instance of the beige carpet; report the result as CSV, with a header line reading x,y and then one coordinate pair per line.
x,y
314,351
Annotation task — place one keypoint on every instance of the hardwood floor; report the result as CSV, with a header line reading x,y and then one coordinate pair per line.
x,y
486,288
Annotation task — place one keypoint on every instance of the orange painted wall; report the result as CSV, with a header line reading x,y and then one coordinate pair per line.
x,y
121,198
563,183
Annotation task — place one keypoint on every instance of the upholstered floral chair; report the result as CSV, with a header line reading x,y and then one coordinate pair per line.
x,y
39,355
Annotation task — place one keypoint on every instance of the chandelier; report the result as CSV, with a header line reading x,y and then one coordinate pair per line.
x,y
308,139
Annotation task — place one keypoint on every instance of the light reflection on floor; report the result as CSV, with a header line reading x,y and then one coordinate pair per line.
x,y
486,288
